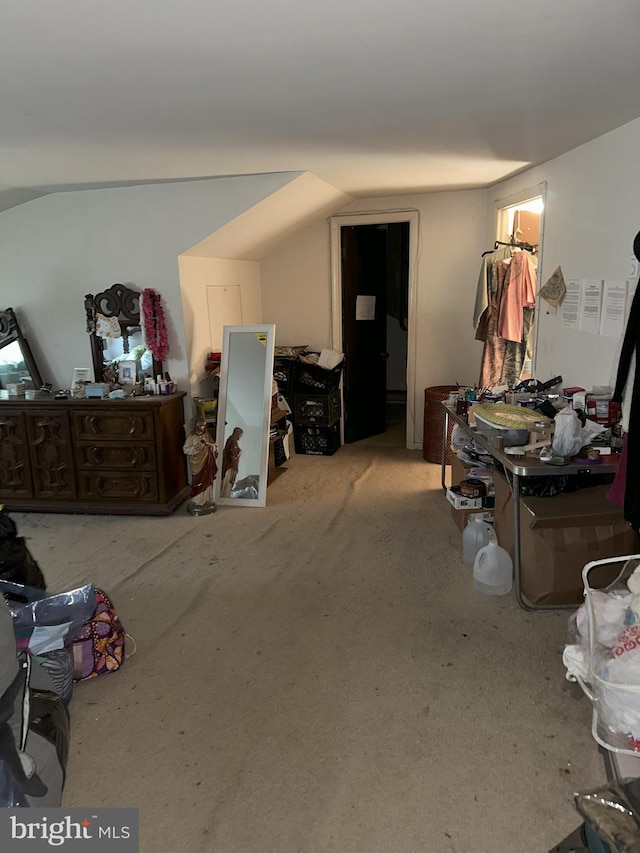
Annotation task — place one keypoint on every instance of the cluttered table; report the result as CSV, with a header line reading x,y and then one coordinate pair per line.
x,y
518,467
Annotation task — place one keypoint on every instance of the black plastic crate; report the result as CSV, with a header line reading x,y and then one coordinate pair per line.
x,y
283,373
317,409
308,377
317,440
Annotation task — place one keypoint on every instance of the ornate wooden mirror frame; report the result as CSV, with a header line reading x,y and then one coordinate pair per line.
x,y
10,332
120,302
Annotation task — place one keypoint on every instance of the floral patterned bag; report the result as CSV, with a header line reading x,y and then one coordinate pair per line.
x,y
99,647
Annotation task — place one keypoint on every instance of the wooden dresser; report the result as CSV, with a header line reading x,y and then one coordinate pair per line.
x,y
119,457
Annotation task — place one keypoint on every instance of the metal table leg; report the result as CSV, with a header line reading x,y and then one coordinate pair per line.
x,y
443,466
515,488
524,603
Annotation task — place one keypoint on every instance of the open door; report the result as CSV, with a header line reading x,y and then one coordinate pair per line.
x,y
374,260
364,318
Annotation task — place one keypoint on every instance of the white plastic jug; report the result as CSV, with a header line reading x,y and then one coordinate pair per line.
x,y
492,570
475,536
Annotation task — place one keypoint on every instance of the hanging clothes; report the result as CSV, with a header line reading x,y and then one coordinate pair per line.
x,y
493,352
484,281
504,359
519,293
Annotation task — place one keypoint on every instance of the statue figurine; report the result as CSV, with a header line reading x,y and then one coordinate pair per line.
x,y
202,452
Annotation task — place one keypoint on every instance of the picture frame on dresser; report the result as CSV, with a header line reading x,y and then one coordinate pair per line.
x,y
127,372
80,376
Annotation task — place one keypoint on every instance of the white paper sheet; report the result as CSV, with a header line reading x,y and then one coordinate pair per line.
x,y
571,304
365,307
614,301
591,306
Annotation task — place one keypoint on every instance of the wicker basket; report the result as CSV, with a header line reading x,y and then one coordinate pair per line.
x,y
434,423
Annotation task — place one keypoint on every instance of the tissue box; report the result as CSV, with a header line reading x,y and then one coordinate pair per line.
x,y
16,389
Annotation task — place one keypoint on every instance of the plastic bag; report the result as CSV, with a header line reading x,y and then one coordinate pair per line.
x,y
604,656
44,623
460,438
16,562
543,487
570,436
613,811
11,794
34,740
567,440
59,666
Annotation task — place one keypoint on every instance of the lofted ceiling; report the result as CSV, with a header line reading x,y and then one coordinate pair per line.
x,y
373,97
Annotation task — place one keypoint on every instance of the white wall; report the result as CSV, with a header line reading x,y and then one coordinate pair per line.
x,y
591,216
229,257
196,274
56,249
296,286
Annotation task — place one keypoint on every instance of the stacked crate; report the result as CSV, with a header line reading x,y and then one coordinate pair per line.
x,y
283,374
316,409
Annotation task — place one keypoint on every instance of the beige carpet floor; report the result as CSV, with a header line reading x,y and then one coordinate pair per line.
x,y
320,676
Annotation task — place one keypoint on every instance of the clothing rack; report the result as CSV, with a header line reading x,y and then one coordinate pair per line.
x,y
517,244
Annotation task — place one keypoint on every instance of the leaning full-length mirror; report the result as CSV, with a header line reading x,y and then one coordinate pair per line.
x,y
244,411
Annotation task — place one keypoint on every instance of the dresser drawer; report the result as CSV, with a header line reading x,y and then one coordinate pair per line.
x,y
110,456
15,475
117,486
114,425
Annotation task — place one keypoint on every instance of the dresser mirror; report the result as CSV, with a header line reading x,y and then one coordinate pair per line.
x,y
17,363
244,412
115,333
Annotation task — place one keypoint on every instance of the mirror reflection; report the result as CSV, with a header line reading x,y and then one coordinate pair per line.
x,y
113,322
244,406
17,364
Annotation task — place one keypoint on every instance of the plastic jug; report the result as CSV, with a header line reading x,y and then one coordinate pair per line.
x,y
492,570
475,536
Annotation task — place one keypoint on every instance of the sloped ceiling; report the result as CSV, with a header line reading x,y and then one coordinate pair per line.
x,y
257,231
372,97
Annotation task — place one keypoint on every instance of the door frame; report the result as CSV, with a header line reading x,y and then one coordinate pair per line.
x,y
412,216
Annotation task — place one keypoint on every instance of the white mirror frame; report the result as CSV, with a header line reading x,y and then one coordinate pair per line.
x,y
225,394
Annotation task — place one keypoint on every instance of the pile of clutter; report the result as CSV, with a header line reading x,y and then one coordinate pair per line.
x,y
555,423
48,642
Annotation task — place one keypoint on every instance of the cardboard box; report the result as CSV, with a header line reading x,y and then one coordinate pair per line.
x,y
558,536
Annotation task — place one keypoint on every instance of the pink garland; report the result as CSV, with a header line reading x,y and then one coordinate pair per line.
x,y
154,324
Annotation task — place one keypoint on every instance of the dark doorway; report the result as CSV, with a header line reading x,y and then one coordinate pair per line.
x,y
375,300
